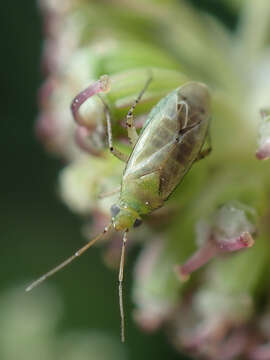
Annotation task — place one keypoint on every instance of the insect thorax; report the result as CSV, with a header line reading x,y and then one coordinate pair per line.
x,y
142,193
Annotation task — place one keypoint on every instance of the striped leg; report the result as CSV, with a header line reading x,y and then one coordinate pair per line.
x,y
132,133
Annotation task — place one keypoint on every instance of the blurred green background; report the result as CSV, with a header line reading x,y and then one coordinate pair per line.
x,y
37,231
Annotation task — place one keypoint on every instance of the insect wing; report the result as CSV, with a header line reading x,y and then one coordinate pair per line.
x,y
172,138
156,139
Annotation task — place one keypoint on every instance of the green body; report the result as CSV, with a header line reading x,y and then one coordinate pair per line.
x,y
168,145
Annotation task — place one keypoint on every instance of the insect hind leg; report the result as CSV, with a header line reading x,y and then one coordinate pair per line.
x,y
207,151
132,132
204,153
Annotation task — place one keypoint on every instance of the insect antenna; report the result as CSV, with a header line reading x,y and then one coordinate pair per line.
x,y
121,277
69,260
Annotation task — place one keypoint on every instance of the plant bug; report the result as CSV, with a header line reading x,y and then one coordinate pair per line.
x,y
167,146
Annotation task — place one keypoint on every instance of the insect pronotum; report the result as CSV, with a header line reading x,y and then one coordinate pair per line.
x,y
167,146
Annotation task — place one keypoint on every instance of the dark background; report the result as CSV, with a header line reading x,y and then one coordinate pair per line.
x,y
37,230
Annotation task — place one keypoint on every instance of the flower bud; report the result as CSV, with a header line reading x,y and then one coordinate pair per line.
x,y
101,85
228,230
83,181
152,293
209,323
261,352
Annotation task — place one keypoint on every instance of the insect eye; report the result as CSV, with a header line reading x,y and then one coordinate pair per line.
x,y
115,210
137,223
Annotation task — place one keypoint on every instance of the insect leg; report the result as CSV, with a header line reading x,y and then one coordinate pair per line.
x,y
207,151
132,133
120,278
204,153
121,156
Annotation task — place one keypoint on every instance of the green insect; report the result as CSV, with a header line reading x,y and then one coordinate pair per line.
x,y
169,143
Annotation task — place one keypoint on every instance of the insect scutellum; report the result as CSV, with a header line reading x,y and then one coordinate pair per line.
x,y
167,146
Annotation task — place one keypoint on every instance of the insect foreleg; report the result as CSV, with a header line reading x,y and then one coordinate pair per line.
x,y
132,132
120,278
121,156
